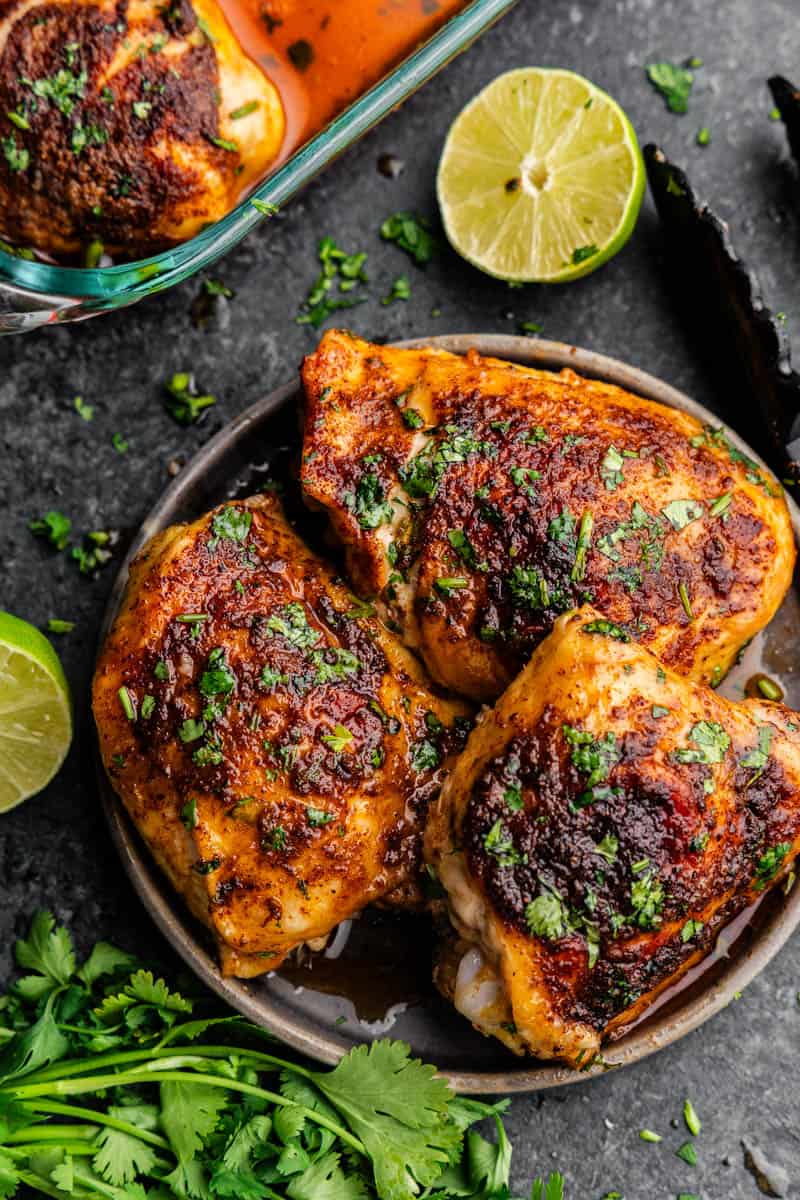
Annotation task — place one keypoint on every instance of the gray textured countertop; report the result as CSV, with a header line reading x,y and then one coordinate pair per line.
x,y
740,1069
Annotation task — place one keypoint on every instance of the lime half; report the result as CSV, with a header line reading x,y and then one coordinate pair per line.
x,y
35,716
541,177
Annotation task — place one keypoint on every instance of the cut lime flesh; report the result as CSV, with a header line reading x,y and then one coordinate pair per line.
x,y
541,177
35,716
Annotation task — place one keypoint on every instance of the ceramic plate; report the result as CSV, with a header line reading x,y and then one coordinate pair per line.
x,y
374,978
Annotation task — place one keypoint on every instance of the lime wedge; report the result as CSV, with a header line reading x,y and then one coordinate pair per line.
x,y
541,177
35,715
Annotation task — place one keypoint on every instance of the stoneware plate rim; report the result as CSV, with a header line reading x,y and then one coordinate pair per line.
x,y
179,928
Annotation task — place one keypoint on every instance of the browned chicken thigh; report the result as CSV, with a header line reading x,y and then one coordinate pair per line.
x,y
605,821
275,745
478,500
129,124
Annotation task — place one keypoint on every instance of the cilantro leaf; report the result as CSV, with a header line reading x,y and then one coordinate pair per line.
x,y
397,1106
39,1046
9,1178
48,949
189,1113
121,1156
105,959
325,1180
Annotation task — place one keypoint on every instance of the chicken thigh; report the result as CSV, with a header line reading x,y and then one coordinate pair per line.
x,y
478,500
275,745
129,126
605,821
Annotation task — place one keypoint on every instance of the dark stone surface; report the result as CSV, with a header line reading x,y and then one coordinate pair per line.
x,y
54,851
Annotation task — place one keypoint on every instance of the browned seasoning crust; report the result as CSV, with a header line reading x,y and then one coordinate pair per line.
x,y
479,500
120,127
279,748
588,894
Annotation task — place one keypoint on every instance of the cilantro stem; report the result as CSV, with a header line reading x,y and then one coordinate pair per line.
x,y
98,1083
41,1185
25,1149
97,1118
47,1133
77,1066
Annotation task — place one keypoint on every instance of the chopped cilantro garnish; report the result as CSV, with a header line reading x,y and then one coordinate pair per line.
x,y
341,739
401,290
611,469
56,625
189,814
369,503
231,524
499,843
337,267
18,157
217,679
119,443
757,759
720,506
693,1122
582,253
561,529
86,411
54,527
673,82
290,621
691,930
547,916
243,111
592,757
647,896
264,207
711,742
688,1153
584,542
451,583
769,864
127,700
608,848
608,628
412,234
191,730
530,589
681,513
659,711
183,402
424,755
317,817
334,664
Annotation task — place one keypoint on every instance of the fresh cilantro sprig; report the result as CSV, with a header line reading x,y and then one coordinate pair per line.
x,y
115,1085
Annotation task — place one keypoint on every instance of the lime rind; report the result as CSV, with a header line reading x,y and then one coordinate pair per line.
x,y
35,712
539,165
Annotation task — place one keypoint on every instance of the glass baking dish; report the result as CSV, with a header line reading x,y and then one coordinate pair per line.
x,y
34,293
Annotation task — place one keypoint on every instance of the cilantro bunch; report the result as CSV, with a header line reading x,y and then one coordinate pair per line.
x,y
114,1085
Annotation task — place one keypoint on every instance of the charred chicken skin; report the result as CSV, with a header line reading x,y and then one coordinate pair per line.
x,y
275,745
478,500
607,818
130,126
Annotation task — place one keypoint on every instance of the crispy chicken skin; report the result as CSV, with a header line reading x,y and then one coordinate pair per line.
x,y
478,500
605,820
276,747
121,128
